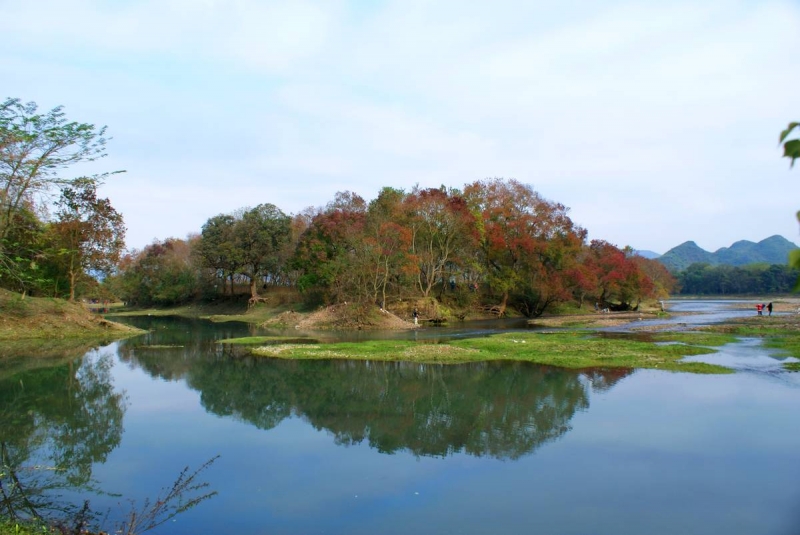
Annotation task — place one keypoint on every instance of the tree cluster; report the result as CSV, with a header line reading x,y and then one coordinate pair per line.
x,y
756,279
496,243
43,254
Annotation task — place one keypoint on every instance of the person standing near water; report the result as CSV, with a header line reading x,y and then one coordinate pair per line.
x,y
769,308
415,314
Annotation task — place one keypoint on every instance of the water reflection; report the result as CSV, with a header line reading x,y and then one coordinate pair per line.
x,y
502,410
55,423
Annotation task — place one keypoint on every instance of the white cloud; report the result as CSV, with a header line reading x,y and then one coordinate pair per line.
x,y
610,108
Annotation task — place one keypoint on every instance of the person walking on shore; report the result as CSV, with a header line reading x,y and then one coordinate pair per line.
x,y
769,308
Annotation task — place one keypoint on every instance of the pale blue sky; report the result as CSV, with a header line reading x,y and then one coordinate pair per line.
x,y
655,122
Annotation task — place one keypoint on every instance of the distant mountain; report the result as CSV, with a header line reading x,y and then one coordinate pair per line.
x,y
773,250
647,254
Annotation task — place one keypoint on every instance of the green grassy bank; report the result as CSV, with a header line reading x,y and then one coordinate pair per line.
x,y
47,326
563,349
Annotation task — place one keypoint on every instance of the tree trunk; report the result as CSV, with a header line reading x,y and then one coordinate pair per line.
x,y
383,286
73,275
503,304
253,286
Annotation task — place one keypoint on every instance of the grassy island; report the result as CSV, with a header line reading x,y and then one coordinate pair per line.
x,y
564,349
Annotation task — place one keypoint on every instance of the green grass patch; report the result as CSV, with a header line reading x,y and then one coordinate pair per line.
x,y
566,350
696,338
751,330
788,344
18,527
216,312
268,340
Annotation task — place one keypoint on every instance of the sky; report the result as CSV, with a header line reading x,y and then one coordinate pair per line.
x,y
654,122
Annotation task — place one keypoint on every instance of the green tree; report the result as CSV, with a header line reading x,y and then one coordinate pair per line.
x,y
261,237
217,249
24,266
163,273
89,231
331,253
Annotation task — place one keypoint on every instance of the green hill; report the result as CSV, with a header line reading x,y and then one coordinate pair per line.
x,y
647,254
773,250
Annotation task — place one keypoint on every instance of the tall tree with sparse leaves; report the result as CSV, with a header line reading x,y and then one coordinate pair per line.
x,y
90,233
34,148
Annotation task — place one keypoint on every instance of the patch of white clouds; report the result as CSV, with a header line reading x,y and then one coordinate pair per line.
x,y
656,123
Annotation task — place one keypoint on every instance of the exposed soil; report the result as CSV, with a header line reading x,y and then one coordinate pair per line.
x,y
609,319
340,317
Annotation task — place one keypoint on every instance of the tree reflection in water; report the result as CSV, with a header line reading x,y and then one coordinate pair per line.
x,y
54,424
498,409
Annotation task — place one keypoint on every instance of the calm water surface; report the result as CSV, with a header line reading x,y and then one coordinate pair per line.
x,y
365,448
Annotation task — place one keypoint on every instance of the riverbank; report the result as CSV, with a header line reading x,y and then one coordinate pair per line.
x,y
578,342
397,316
596,320
43,322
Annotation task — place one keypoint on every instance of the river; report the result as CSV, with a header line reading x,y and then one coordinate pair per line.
x,y
333,447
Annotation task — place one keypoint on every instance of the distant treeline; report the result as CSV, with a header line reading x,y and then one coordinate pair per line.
x,y
755,279
495,243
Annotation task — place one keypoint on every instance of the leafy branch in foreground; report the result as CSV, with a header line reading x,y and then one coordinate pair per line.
x,y
185,493
27,504
791,148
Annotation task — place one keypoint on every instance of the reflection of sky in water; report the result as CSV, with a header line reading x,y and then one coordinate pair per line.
x,y
749,356
695,313
657,452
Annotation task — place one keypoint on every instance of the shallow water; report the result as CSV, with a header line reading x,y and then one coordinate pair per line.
x,y
365,447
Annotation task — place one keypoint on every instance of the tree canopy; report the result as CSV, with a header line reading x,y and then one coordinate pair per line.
x,y
495,244
37,253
